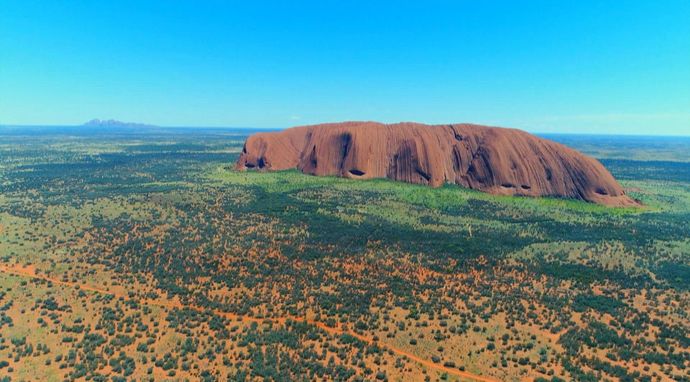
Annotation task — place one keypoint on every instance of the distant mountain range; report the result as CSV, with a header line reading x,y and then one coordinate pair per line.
x,y
114,123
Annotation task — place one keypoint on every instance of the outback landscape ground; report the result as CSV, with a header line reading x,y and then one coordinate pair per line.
x,y
143,255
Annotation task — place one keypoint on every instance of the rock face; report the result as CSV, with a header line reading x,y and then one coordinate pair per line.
x,y
491,159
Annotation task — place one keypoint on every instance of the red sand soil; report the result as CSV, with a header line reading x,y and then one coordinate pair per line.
x,y
30,272
491,159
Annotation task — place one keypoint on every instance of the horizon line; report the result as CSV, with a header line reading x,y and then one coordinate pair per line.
x,y
152,126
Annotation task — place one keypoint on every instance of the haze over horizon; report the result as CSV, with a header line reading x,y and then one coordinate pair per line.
x,y
586,67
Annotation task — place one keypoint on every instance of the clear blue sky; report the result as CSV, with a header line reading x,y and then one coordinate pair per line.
x,y
544,66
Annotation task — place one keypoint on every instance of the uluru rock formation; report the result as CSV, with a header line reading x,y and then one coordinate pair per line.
x,y
491,159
